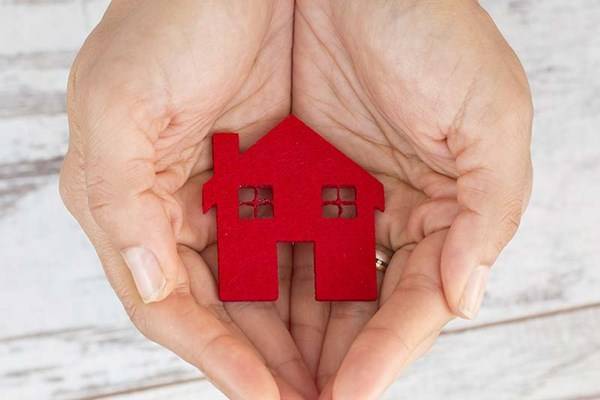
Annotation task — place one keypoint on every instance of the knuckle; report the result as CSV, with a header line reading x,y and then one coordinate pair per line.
x,y
421,282
137,315
352,310
401,342
69,187
510,219
99,195
473,189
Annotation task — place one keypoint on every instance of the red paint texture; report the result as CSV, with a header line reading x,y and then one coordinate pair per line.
x,y
290,175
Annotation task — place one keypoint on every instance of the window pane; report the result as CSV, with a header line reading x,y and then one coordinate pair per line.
x,y
245,194
264,211
329,194
255,202
347,193
246,211
330,211
265,193
339,202
348,211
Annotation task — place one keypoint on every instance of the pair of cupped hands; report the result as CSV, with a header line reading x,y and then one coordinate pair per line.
x,y
426,95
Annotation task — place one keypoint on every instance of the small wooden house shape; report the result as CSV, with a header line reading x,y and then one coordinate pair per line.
x,y
292,186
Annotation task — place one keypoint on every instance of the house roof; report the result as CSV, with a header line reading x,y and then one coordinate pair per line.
x,y
292,148
293,135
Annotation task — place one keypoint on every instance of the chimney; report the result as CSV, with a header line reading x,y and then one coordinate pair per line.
x,y
226,150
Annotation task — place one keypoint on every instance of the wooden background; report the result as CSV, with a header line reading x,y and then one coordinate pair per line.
x,y
63,334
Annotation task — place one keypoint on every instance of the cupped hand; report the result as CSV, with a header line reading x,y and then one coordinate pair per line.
x,y
425,95
430,99
150,84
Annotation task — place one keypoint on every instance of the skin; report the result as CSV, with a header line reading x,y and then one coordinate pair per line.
x,y
427,96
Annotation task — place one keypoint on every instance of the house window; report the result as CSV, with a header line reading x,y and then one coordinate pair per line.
x,y
255,202
338,202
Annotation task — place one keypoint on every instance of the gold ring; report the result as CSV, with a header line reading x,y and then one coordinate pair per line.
x,y
382,258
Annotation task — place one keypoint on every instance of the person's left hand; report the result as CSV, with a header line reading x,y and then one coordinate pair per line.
x,y
429,98
151,83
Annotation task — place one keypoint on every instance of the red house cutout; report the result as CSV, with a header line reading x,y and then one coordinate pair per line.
x,y
292,186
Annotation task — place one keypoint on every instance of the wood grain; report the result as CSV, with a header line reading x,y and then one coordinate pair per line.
x,y
63,334
548,357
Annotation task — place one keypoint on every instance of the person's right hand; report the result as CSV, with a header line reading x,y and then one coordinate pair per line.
x,y
429,97
151,83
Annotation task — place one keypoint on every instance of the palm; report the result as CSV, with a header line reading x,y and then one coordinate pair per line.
x,y
390,93
394,85
249,94
180,78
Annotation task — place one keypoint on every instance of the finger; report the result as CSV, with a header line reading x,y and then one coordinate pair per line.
x,y
393,273
422,348
178,323
203,287
493,188
277,347
346,320
416,310
327,391
197,229
197,336
428,217
308,317
284,261
118,132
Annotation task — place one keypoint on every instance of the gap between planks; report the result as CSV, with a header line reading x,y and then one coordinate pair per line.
x,y
456,331
590,396
524,318
140,389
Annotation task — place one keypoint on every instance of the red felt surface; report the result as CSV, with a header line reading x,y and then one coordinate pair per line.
x,y
287,170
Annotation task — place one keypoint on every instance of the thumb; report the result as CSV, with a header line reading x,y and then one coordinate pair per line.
x,y
121,186
493,189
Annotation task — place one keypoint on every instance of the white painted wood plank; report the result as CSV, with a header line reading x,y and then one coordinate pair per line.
x,y
50,278
552,261
187,391
554,358
550,358
550,264
46,256
32,26
85,363
33,138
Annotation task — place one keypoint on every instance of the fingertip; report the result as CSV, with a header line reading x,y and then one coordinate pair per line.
x,y
361,376
148,276
473,293
464,268
238,371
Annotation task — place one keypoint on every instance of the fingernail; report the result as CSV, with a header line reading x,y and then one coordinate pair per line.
x,y
147,274
472,297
